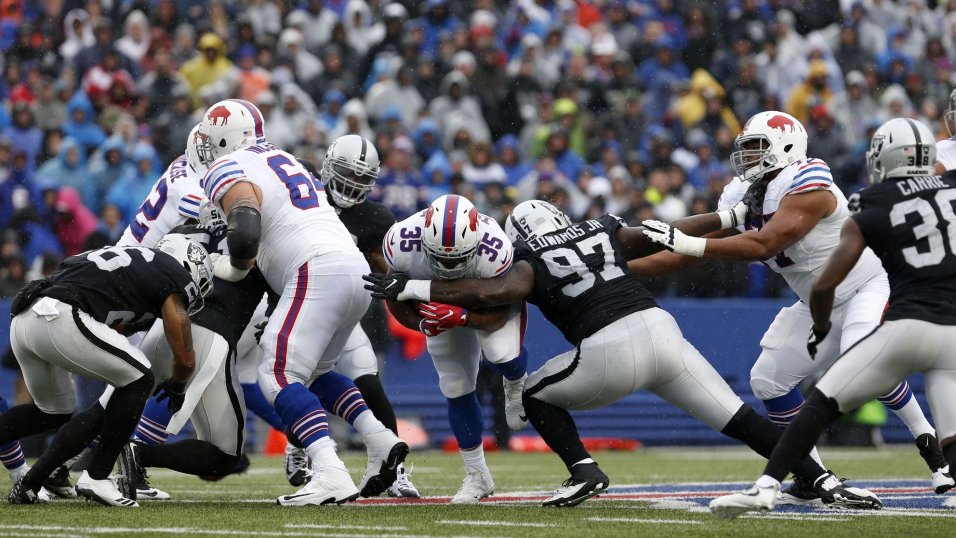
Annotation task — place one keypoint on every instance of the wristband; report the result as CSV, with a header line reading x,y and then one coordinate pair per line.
x,y
418,290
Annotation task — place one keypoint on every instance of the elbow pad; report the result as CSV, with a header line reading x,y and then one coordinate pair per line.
x,y
243,232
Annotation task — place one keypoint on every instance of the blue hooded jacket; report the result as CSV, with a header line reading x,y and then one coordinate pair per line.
x,y
58,171
129,192
103,175
86,132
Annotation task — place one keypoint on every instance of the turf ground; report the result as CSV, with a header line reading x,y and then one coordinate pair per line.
x,y
659,492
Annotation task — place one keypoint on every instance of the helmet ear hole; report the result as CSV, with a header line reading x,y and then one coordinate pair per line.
x,y
787,148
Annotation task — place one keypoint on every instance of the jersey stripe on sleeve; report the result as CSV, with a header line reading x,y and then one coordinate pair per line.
x,y
813,175
189,205
219,176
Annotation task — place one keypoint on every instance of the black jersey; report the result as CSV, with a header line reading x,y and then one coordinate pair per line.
x,y
911,226
231,305
368,223
581,279
121,285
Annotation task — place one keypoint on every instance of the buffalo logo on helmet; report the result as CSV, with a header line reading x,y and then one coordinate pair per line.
x,y
429,213
219,113
782,123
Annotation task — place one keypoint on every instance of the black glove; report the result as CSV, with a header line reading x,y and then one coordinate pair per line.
x,y
386,287
260,328
174,391
815,338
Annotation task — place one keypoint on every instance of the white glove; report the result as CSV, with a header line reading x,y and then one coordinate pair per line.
x,y
731,218
223,268
674,239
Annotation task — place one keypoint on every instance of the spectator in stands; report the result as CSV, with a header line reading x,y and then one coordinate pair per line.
x,y
854,108
352,120
68,168
814,90
78,32
25,138
400,186
74,222
80,124
287,123
130,190
136,38
207,67
314,21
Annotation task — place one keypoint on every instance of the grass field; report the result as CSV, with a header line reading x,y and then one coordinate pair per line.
x,y
654,492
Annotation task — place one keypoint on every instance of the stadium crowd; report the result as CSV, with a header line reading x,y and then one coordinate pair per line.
x,y
622,106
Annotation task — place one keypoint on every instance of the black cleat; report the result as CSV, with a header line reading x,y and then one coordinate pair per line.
x,y
22,495
587,480
59,483
930,452
836,494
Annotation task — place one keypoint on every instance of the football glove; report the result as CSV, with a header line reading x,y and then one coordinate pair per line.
x,y
815,338
397,287
673,239
260,328
444,316
172,390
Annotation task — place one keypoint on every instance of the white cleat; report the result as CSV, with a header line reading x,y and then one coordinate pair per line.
x,y
103,492
477,485
403,487
514,406
943,480
151,493
753,499
328,485
296,465
385,453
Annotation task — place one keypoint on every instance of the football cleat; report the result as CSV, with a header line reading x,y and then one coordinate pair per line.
x,y
514,407
477,485
800,492
752,499
385,453
328,485
103,492
930,452
586,481
296,465
133,480
403,487
59,483
23,495
836,494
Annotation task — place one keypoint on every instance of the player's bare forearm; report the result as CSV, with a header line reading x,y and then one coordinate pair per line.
x,y
841,262
405,312
178,331
509,288
637,245
665,263
796,216
489,319
376,260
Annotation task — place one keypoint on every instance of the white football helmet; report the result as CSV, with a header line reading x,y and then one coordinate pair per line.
x,y
192,152
196,261
781,140
450,237
534,218
950,117
901,147
228,126
350,169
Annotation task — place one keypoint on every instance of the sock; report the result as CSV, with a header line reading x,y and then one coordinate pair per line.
x,y
557,428
762,437
151,429
803,432
474,458
11,454
339,395
192,456
902,402
119,420
377,401
257,403
322,453
766,481
514,369
70,440
302,411
464,415
367,424
782,409
25,420
949,452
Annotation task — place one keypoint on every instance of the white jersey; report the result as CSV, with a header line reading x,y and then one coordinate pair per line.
x,y
403,251
175,197
298,222
801,262
946,153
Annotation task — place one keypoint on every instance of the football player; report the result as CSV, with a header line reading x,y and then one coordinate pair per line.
x,y
795,217
71,321
450,239
577,275
279,219
12,458
946,148
906,217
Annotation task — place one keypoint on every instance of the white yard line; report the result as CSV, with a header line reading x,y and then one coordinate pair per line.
x,y
342,527
644,520
493,523
191,530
